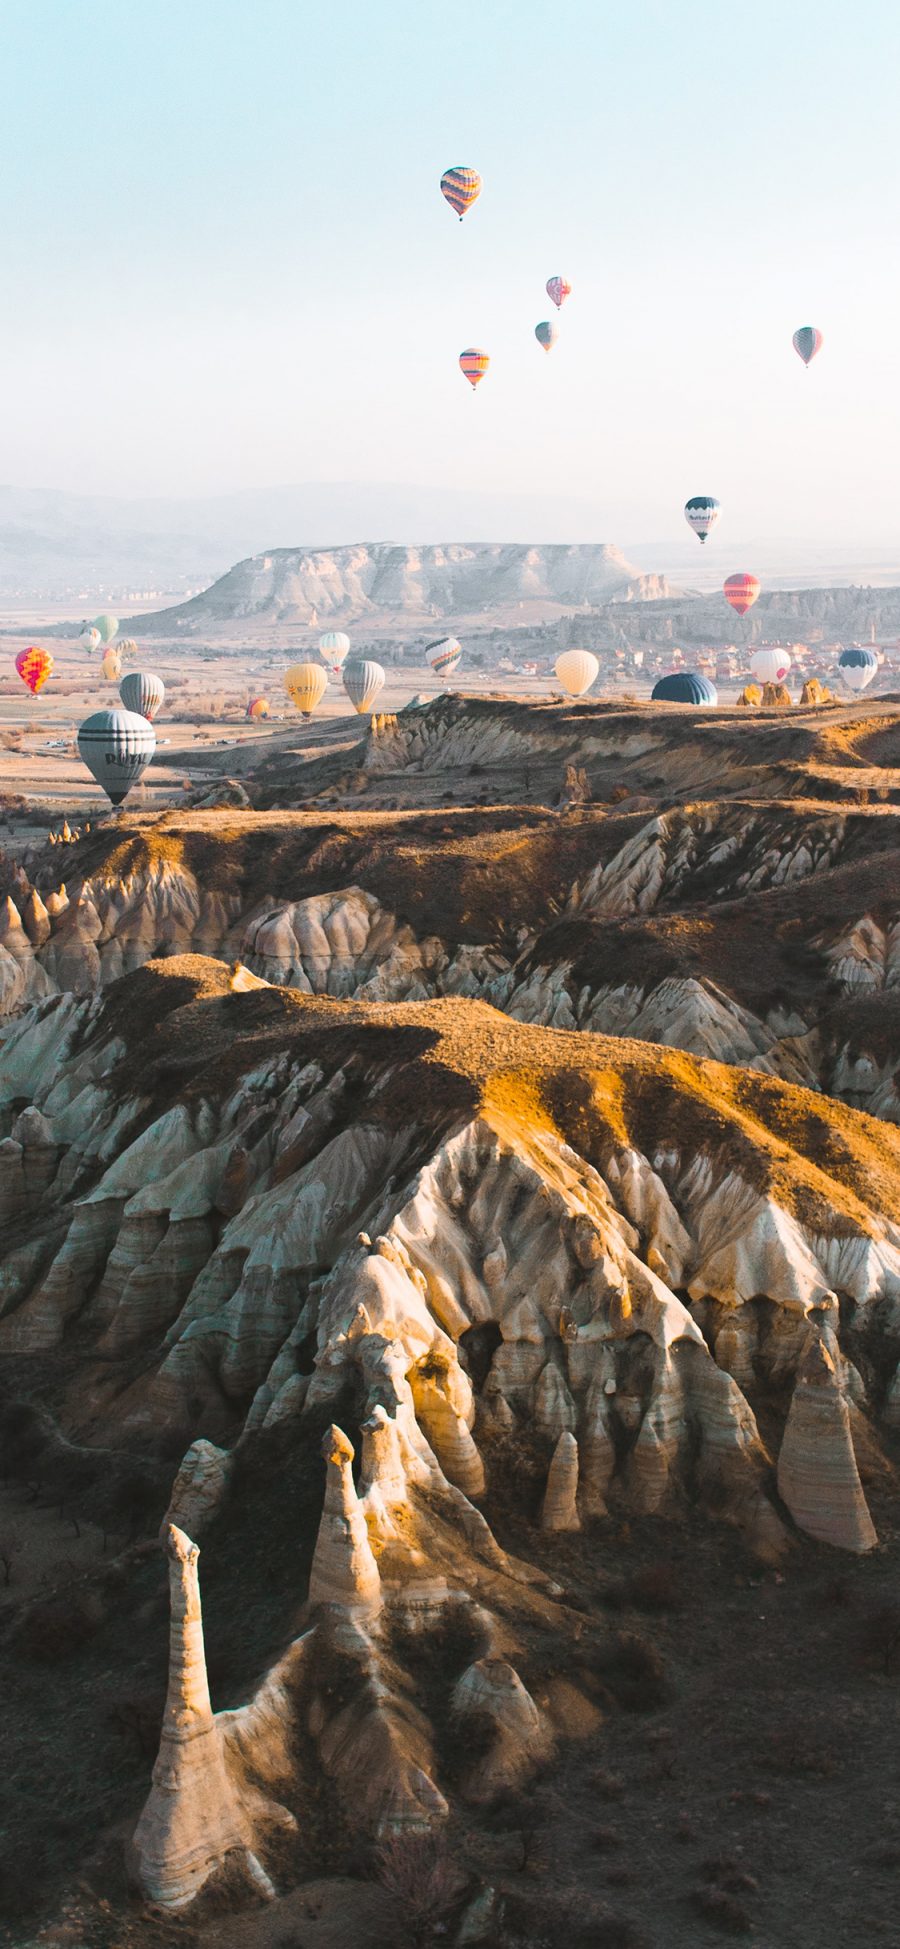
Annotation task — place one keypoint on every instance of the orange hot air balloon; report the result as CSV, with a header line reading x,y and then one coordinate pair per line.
x,y
34,666
257,707
473,365
741,591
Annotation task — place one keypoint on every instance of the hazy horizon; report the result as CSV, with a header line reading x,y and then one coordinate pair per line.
x,y
228,262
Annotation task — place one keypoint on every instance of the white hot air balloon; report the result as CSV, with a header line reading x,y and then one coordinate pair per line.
x,y
143,692
362,681
333,647
90,638
770,663
577,670
117,747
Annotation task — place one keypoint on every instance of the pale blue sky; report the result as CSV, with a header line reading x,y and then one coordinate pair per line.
x,y
227,262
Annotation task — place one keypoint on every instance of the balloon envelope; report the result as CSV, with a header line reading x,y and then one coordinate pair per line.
x,y
577,670
334,646
108,626
546,334
90,637
111,665
362,682
559,289
857,667
770,663
473,365
34,666
461,187
127,647
117,747
701,513
306,684
444,655
257,707
741,591
807,342
684,687
143,692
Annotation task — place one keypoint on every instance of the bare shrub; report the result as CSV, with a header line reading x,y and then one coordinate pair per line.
x,y
418,1871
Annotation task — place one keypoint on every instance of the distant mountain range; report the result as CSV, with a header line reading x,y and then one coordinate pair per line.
x,y
434,583
56,545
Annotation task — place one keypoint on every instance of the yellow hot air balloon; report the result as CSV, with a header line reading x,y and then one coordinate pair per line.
x,y
577,670
306,684
112,665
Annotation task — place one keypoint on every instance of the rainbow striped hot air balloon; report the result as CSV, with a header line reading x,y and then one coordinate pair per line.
x,y
257,707
34,666
461,187
444,655
473,365
559,289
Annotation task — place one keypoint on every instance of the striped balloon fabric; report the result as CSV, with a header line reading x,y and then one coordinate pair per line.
x,y
117,747
807,342
444,655
461,187
741,591
473,365
559,289
143,692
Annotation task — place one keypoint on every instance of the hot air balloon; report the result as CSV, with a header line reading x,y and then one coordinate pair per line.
x,y
857,667
461,187
34,666
701,513
143,692
362,681
117,747
546,334
444,655
577,670
807,342
127,647
473,365
741,591
559,289
306,684
257,707
111,665
770,663
90,638
334,646
108,627
684,687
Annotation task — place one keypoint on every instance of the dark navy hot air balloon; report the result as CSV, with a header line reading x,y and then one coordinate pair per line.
x,y
684,687
117,747
807,342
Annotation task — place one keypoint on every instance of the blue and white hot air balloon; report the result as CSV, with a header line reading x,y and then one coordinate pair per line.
x,y
857,667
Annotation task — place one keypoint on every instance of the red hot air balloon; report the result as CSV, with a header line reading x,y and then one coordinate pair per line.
x,y
461,187
473,365
741,591
34,666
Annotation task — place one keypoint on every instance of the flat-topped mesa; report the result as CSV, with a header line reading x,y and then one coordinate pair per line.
x,y
193,1818
817,1474
344,1570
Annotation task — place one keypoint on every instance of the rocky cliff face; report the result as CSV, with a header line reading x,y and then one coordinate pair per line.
x,y
454,1240
372,578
